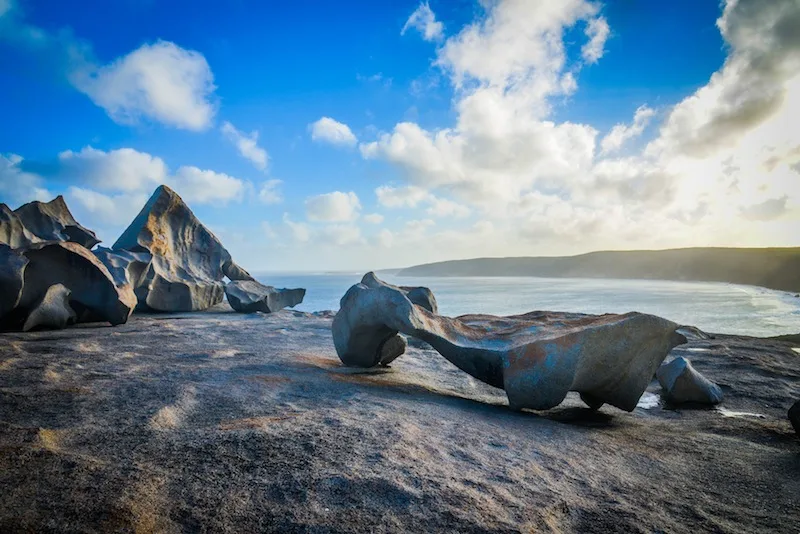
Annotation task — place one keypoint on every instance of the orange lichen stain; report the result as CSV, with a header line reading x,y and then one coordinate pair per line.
x,y
315,360
8,364
249,423
50,439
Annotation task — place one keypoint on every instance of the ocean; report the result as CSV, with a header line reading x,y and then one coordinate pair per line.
x,y
711,306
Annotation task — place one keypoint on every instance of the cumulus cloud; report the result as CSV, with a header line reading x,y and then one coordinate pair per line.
x,y
328,130
17,186
767,210
300,232
423,19
161,82
441,207
333,207
760,79
723,160
124,169
597,31
340,234
621,133
109,209
373,218
206,186
270,193
399,197
247,145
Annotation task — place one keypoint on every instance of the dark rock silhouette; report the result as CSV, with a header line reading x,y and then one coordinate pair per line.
x,y
188,262
536,357
12,279
683,383
249,296
794,416
94,297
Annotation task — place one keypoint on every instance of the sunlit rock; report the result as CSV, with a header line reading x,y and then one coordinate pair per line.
x,y
188,261
52,311
249,296
683,383
536,358
421,296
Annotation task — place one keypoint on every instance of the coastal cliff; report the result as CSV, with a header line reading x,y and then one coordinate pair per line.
x,y
773,268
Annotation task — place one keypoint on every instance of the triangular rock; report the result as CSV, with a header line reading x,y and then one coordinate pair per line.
x,y
188,261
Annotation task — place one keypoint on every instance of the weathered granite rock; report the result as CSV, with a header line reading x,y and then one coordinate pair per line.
x,y
794,416
683,383
188,262
52,221
94,293
421,296
53,311
126,267
12,232
249,296
536,357
12,278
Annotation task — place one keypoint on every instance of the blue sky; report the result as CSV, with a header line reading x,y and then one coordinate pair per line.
x,y
308,130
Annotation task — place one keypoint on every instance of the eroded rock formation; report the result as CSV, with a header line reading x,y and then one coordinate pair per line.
x,y
249,296
683,383
52,311
42,221
12,278
536,357
421,296
95,296
188,262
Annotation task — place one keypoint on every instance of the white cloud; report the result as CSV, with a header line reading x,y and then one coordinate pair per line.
x,y
300,232
206,187
621,133
17,186
340,234
424,21
124,169
331,131
161,82
269,192
107,209
401,197
597,31
333,207
269,230
441,207
247,145
373,218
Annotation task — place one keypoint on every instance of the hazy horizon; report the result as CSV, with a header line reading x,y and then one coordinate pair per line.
x,y
396,134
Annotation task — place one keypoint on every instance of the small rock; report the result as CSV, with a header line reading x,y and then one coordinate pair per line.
x,y
249,296
794,416
53,311
683,383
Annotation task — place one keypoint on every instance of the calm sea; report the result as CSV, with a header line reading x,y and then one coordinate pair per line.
x,y
714,307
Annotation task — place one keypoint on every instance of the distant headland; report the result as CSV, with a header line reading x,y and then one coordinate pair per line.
x,y
773,268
